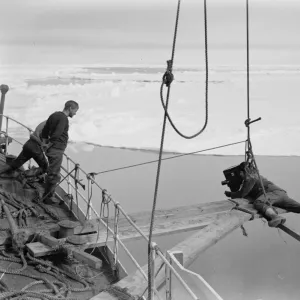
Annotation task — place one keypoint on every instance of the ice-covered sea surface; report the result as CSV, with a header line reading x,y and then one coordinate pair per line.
x,y
120,105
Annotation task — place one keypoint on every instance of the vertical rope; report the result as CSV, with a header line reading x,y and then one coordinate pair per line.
x,y
248,81
159,160
248,121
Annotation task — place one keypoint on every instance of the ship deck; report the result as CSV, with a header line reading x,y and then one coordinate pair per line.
x,y
38,270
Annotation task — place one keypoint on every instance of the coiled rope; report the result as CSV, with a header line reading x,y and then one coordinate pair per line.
x,y
44,267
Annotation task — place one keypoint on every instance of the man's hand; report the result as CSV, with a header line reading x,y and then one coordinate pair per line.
x,y
46,145
228,194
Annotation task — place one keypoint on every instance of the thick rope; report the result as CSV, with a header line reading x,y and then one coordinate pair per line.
x,y
206,80
167,79
249,155
44,267
150,271
248,73
4,296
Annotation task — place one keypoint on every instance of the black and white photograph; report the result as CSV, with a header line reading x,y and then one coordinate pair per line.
x,y
149,150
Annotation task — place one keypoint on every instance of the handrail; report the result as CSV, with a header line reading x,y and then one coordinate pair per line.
x,y
176,274
106,224
204,287
8,117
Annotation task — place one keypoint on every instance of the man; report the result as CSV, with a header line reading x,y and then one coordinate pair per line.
x,y
55,132
251,189
31,149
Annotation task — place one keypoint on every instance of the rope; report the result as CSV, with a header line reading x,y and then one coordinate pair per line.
x,y
106,199
168,81
45,267
248,73
171,157
249,155
4,296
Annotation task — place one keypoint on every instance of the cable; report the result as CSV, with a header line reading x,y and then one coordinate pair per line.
x,y
171,157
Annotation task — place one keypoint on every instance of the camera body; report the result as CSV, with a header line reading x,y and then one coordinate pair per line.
x,y
233,178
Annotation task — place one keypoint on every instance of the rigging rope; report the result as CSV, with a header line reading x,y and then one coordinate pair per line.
x,y
248,81
167,79
171,157
249,155
159,162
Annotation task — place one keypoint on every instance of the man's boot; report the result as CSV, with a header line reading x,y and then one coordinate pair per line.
x,y
49,194
274,218
50,199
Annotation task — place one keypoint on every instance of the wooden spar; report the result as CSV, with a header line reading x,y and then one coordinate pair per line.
x,y
207,237
290,232
175,220
191,248
169,221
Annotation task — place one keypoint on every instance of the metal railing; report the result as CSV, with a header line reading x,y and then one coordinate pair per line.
x,y
88,211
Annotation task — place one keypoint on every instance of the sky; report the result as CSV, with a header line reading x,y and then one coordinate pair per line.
x,y
90,31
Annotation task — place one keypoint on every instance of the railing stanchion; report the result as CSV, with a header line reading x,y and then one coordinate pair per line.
x,y
116,232
168,278
68,178
4,89
30,160
6,136
88,212
153,255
